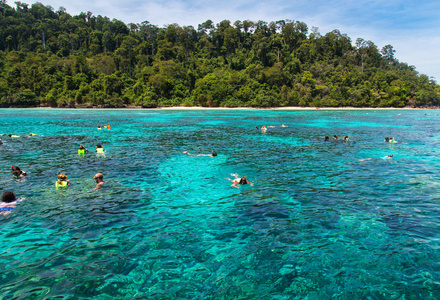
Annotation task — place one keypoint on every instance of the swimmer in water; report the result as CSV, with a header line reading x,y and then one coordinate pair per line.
x,y
282,125
392,140
326,139
238,180
99,179
17,173
346,138
99,149
62,181
82,150
390,156
211,155
387,139
335,137
9,202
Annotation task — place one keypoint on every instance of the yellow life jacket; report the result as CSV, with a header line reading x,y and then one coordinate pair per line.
x,y
81,151
62,184
99,150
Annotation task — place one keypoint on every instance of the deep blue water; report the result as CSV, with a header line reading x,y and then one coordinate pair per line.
x,y
317,224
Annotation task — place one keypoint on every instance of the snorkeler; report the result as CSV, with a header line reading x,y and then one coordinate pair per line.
x,y
99,179
239,180
9,202
389,156
17,173
211,155
62,180
82,150
99,149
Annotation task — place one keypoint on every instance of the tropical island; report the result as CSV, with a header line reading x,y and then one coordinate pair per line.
x,y
53,59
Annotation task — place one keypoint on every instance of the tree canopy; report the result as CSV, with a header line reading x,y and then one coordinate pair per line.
x,y
51,58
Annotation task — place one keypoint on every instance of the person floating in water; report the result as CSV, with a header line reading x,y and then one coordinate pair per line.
x,y
82,150
99,149
345,139
282,125
99,127
335,137
211,155
13,135
99,179
62,181
389,156
17,173
9,202
32,134
326,139
239,180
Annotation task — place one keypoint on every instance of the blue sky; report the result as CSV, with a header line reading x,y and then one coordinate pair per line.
x,y
411,27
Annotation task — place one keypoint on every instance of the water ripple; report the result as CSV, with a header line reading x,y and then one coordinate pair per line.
x,y
317,224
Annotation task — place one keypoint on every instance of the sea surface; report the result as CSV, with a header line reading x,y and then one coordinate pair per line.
x,y
318,223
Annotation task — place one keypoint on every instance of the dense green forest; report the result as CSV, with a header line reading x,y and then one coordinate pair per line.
x,y
51,58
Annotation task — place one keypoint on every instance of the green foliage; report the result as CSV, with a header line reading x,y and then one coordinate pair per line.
x,y
53,58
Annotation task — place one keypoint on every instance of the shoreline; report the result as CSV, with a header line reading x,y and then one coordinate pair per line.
x,y
230,108
293,108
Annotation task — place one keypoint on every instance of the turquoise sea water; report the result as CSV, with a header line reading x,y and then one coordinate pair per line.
x,y
317,224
